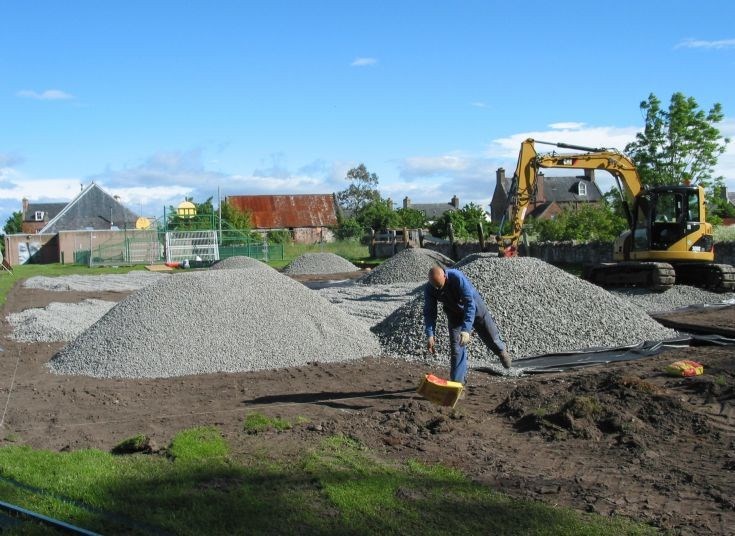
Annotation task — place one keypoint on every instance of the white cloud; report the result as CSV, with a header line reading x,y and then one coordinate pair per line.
x,y
363,62
570,125
479,104
603,136
701,43
49,94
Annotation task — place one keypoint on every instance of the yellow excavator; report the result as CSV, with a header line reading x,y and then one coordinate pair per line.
x,y
668,241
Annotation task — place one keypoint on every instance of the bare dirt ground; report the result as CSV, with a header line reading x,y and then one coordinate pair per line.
x,y
621,438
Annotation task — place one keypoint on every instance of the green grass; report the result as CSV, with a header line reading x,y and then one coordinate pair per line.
x,y
349,249
257,422
338,487
25,271
724,233
198,444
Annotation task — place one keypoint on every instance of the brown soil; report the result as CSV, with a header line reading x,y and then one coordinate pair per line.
x,y
621,438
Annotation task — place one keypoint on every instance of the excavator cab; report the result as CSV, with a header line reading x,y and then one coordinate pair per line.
x,y
663,219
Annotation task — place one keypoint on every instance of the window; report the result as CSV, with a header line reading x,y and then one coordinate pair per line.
x,y
582,189
38,216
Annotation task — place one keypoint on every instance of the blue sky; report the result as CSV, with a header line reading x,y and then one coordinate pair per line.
x,y
160,100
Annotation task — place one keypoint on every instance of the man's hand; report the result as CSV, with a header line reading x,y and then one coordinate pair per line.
x,y
464,338
430,345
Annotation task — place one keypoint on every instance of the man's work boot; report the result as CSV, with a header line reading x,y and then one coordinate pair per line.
x,y
505,359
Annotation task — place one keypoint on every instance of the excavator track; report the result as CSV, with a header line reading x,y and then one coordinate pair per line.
x,y
657,276
714,277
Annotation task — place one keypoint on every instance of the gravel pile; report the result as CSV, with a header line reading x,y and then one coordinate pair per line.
x,y
318,264
539,309
240,262
128,282
410,265
57,321
370,303
215,321
673,298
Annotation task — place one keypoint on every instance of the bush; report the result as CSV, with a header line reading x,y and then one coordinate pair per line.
x,y
282,236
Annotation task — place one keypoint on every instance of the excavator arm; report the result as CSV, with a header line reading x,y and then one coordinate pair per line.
x,y
524,184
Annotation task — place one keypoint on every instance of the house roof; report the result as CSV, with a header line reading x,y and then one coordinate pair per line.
x,y
540,210
566,189
731,197
91,208
49,209
432,211
287,211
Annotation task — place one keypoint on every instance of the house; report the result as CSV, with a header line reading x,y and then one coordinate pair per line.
x,y
92,209
432,211
309,217
61,232
553,194
37,215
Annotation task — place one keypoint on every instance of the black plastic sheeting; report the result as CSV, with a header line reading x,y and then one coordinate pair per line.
x,y
584,358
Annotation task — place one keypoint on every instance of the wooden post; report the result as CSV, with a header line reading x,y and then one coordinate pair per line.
x,y
372,243
481,235
421,238
452,243
405,238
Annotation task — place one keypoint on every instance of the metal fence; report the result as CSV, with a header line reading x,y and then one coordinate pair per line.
x,y
205,246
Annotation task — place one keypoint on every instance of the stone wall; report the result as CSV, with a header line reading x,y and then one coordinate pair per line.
x,y
567,252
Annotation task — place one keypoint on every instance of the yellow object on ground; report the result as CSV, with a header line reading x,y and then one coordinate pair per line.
x,y
685,368
440,391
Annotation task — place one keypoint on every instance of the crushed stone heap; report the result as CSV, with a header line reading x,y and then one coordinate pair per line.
x,y
370,303
410,265
238,262
128,282
539,309
57,321
318,264
216,321
673,298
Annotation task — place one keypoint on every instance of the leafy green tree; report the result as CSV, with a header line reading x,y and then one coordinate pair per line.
x,y
14,223
440,227
349,229
236,218
410,218
464,222
679,143
378,214
588,223
363,189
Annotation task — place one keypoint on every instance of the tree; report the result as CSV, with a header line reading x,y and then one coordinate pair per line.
x,y
362,190
678,144
410,218
464,223
378,214
14,223
236,218
204,218
586,224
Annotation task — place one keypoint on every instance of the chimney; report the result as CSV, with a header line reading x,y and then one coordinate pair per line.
x,y
25,207
500,176
455,201
589,174
406,202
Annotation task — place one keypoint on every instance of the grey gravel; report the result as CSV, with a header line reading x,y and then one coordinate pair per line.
x,y
673,298
216,321
57,321
128,282
539,309
239,262
410,265
370,303
319,264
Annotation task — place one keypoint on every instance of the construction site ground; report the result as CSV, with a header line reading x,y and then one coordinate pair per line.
x,y
620,438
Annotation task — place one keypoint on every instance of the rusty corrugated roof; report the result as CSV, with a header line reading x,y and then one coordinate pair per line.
x,y
287,211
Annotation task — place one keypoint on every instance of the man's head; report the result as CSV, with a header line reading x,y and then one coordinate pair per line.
x,y
437,277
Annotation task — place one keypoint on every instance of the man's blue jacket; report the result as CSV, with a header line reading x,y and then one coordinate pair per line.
x,y
462,303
